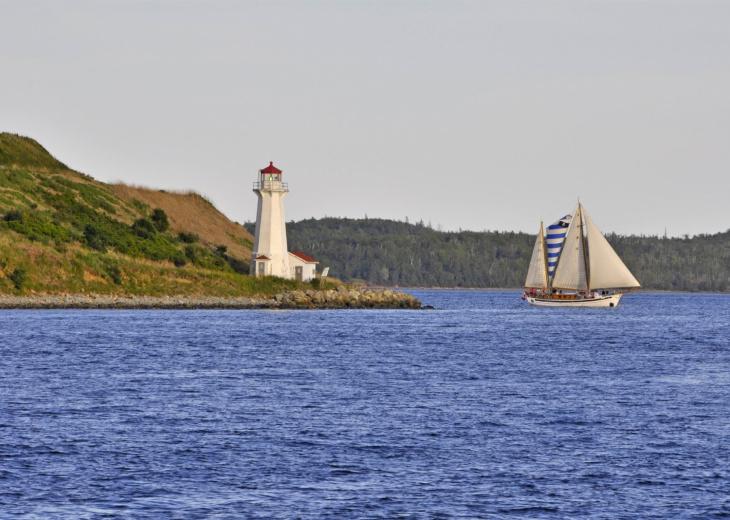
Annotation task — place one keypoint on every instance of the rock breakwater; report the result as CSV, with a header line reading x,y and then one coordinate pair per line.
x,y
343,297
347,297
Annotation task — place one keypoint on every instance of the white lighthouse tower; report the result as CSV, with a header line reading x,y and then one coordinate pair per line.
x,y
270,255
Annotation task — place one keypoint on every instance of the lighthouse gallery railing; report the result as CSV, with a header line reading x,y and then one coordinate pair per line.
x,y
271,185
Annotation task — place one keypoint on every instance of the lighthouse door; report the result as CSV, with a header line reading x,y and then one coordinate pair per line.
x,y
299,273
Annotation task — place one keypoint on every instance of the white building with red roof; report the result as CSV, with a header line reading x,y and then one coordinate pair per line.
x,y
303,267
270,256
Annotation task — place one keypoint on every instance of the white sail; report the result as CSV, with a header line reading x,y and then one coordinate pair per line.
x,y
537,273
606,268
570,273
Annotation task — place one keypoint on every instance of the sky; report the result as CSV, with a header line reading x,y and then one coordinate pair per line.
x,y
488,115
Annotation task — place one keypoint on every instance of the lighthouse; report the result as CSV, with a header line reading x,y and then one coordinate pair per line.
x,y
270,256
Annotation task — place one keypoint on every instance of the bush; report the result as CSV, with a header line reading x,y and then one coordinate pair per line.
x,y
112,269
179,261
160,221
107,207
94,238
188,238
18,277
35,226
144,228
238,266
13,216
192,252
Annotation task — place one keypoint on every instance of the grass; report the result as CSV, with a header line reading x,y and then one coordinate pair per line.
x,y
62,231
16,150
192,213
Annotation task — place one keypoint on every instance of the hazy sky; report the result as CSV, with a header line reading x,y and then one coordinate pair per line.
x,y
472,115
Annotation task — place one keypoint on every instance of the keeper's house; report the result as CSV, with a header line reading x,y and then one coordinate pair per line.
x,y
303,267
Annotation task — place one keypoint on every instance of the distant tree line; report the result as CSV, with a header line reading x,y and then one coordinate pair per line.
x,y
394,253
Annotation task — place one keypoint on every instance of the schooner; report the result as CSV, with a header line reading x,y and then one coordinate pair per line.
x,y
573,265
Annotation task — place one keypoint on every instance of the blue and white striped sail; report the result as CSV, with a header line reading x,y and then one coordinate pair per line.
x,y
555,238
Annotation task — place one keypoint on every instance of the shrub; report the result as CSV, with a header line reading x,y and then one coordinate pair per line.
x,y
188,238
112,269
192,253
139,205
238,266
159,219
144,228
35,226
107,207
179,261
221,250
94,238
13,216
18,277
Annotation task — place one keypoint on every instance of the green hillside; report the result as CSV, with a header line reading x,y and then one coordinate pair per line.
x,y
24,152
62,231
391,253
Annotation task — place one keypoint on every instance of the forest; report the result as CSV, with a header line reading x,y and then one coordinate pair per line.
x,y
402,254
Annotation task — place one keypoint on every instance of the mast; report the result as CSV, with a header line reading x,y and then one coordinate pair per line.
x,y
544,255
583,240
570,273
547,272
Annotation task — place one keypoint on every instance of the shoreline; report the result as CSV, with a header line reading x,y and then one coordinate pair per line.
x,y
103,301
336,299
341,298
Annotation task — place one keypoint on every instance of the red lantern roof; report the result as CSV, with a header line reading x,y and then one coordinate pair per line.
x,y
271,168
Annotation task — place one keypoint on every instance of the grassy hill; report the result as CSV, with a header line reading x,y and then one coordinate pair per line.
x,y
63,231
192,213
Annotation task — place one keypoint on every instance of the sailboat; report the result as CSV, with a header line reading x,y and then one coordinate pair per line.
x,y
573,265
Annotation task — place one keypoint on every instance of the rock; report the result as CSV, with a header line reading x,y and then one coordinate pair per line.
x,y
342,297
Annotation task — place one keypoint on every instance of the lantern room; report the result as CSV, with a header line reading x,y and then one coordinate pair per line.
x,y
271,173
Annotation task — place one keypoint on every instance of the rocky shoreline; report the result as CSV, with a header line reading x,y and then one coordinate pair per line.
x,y
343,297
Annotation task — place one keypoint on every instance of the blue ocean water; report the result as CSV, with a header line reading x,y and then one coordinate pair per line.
x,y
483,408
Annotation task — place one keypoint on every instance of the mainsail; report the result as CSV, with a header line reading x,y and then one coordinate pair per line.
x,y
537,272
555,238
570,272
606,268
